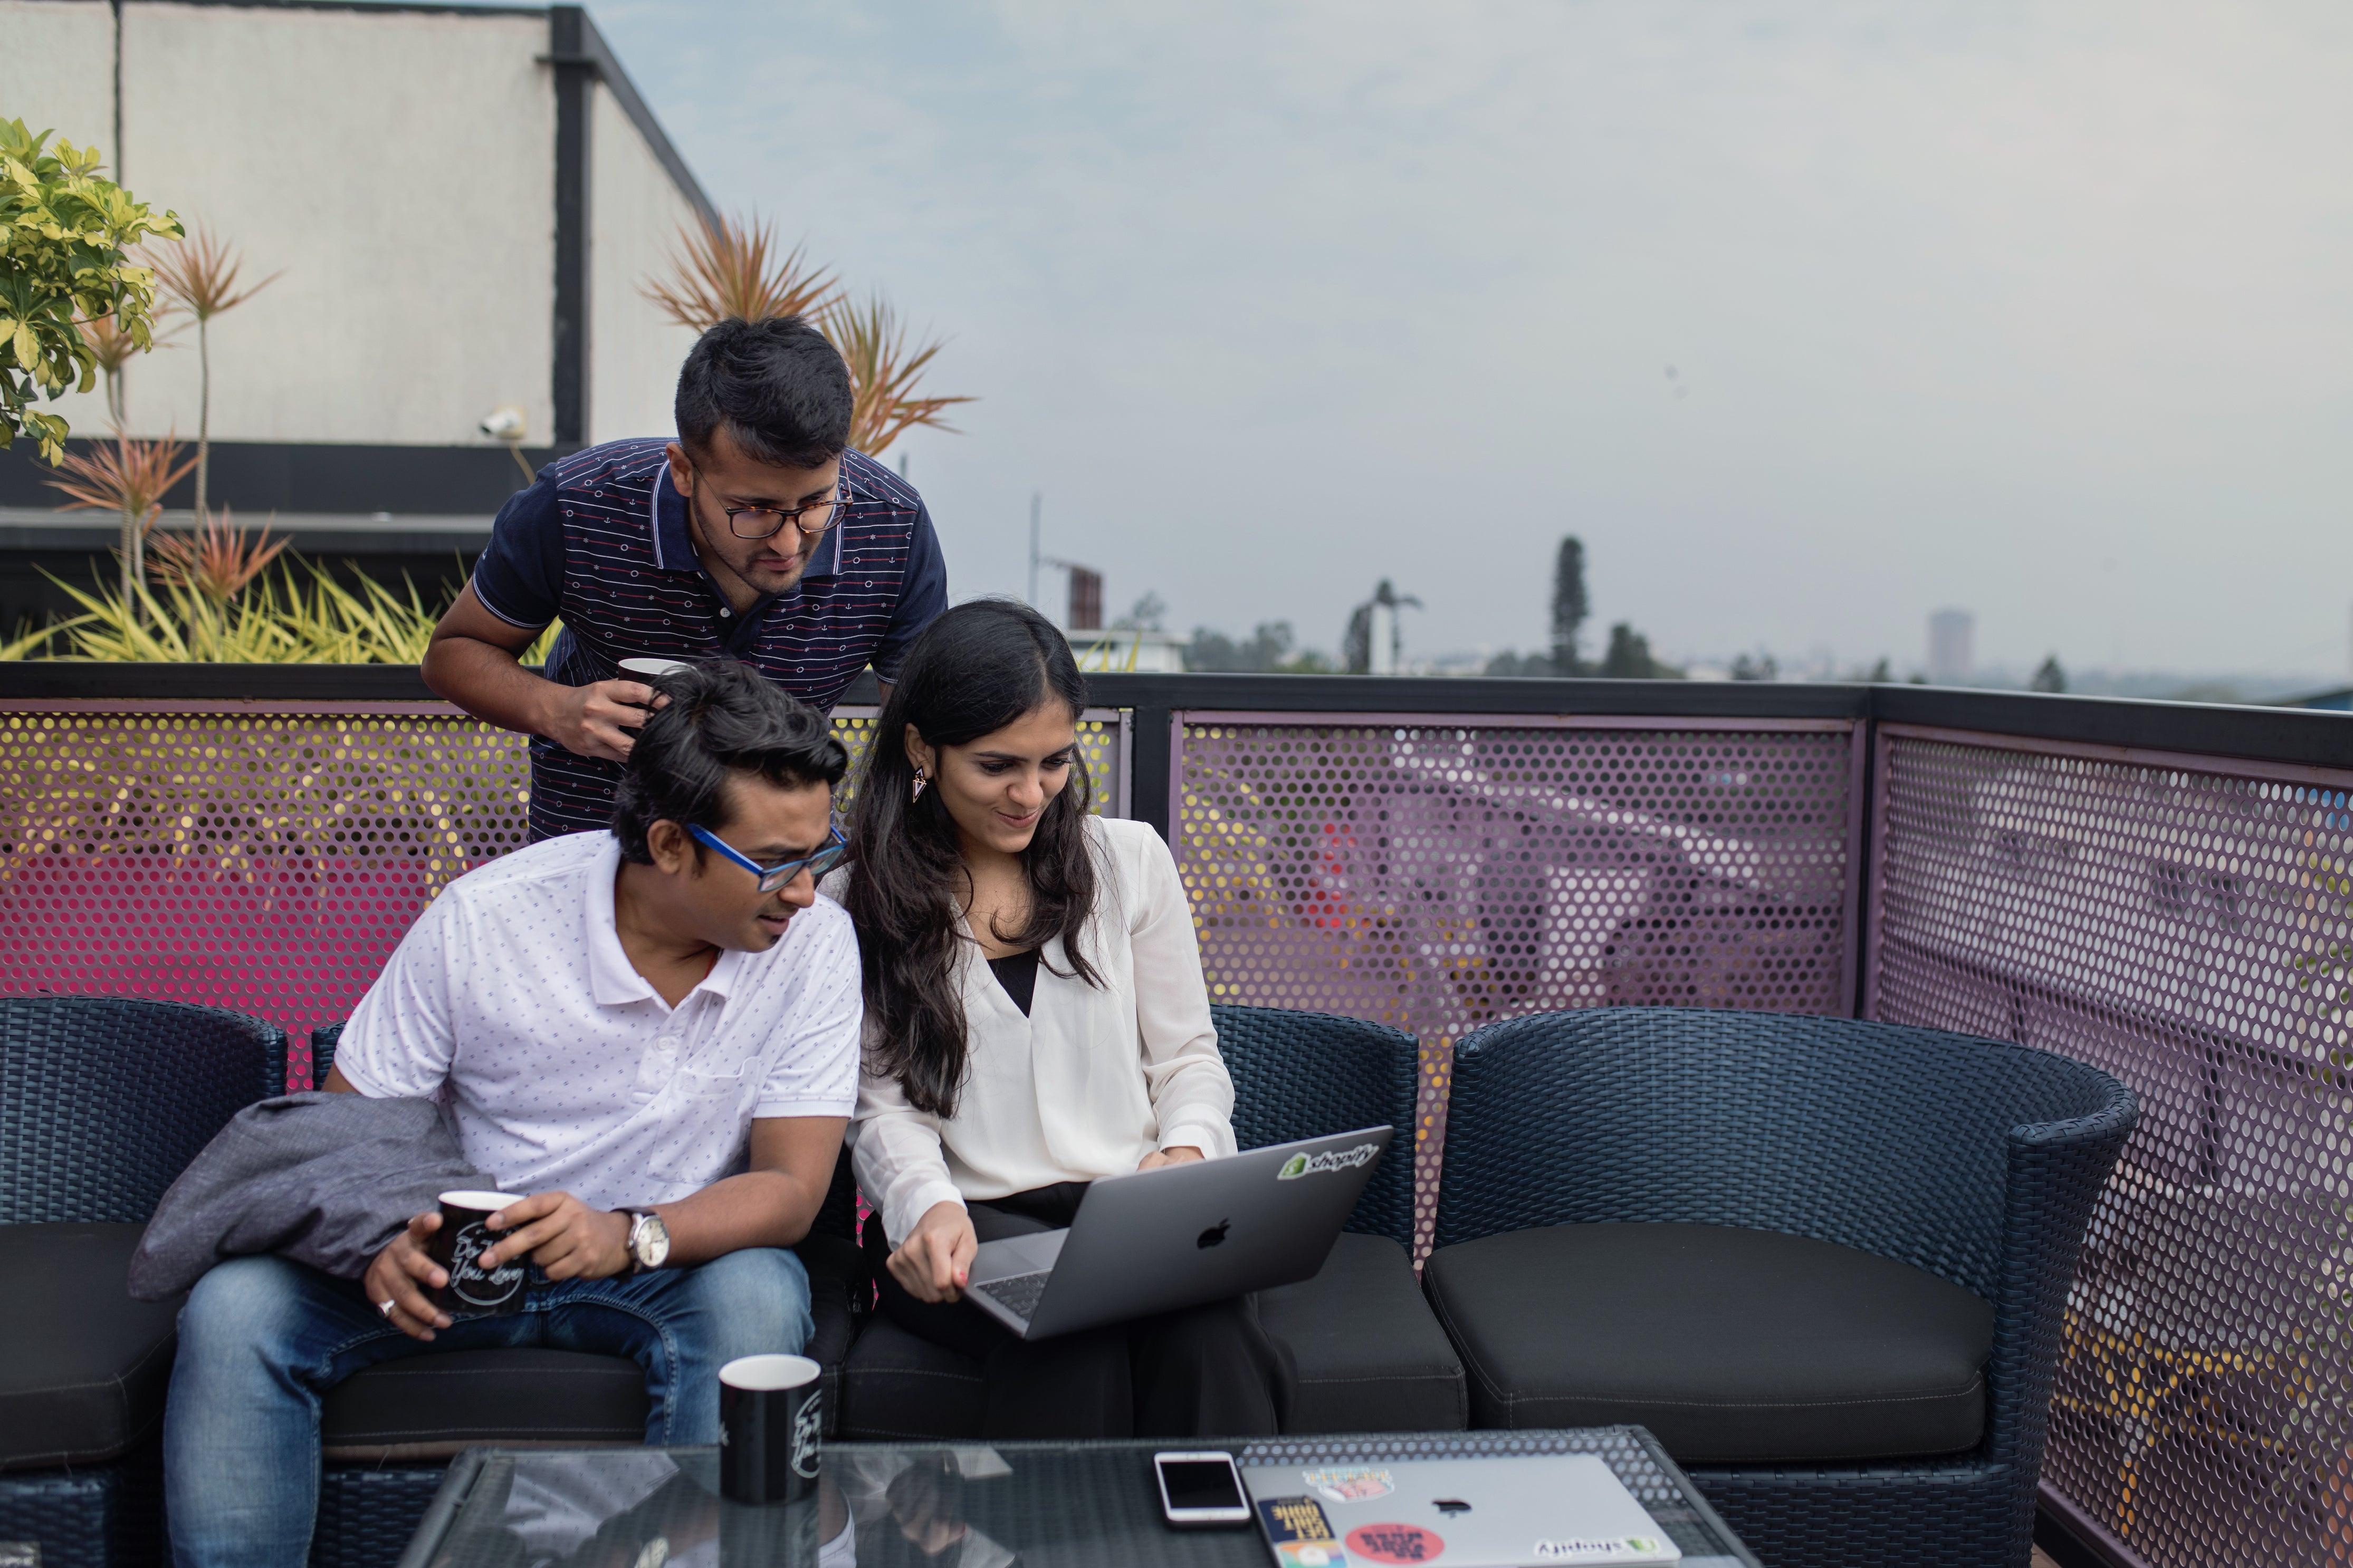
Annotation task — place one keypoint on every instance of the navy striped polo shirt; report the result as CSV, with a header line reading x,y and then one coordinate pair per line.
x,y
600,542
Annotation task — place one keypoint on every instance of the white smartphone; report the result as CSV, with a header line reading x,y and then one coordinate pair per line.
x,y
1200,1491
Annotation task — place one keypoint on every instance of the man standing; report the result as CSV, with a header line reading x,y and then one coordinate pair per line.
x,y
757,535
650,1037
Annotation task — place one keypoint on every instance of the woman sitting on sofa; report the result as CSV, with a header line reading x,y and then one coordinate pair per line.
x,y
1035,1019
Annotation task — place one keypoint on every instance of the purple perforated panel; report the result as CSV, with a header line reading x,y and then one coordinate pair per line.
x,y
1436,875
265,862
2184,924
269,856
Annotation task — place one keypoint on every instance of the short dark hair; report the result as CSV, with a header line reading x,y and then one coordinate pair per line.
x,y
723,718
776,386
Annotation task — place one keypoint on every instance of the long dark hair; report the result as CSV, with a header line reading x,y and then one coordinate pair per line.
x,y
976,669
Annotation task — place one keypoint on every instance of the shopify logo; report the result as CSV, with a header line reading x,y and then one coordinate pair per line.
x,y
1300,1166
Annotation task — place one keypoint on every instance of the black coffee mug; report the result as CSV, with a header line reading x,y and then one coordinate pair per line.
x,y
771,1414
465,1234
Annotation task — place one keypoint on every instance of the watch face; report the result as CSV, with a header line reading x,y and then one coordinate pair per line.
x,y
652,1241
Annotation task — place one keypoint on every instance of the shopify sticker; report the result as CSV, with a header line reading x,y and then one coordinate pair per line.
x,y
1324,1165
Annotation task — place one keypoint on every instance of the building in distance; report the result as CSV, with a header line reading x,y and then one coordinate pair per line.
x,y
1952,653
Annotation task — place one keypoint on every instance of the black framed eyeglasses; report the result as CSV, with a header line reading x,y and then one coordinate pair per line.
x,y
771,877
768,522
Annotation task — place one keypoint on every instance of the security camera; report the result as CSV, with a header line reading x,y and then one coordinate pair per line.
x,y
505,424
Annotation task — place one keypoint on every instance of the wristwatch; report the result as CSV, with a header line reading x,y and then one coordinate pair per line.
x,y
649,1241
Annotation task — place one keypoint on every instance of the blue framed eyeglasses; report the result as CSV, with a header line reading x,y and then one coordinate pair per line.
x,y
771,877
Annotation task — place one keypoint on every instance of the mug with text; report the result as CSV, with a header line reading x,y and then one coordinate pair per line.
x,y
458,1246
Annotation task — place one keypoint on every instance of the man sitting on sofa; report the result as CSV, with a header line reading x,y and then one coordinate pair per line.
x,y
653,1033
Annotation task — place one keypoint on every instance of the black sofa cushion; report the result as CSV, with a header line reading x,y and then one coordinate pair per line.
x,y
1733,1346
895,1384
1370,1356
430,1405
88,1366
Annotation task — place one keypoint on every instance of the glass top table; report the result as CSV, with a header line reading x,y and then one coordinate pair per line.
x,y
946,1505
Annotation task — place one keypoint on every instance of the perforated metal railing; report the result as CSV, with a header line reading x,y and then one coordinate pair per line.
x,y
2186,925
2181,920
1435,874
265,856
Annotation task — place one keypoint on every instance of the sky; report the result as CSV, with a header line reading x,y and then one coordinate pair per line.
x,y
1809,316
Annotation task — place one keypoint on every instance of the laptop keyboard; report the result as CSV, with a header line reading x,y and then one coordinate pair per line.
x,y
1019,1293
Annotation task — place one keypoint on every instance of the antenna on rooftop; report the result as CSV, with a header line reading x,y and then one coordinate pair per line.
x,y
1037,502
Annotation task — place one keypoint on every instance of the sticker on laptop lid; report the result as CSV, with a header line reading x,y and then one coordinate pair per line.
x,y
1300,1533
1324,1165
1396,1543
1599,1549
1310,1555
1349,1486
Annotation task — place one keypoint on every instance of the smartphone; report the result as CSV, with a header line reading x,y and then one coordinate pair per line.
x,y
1200,1491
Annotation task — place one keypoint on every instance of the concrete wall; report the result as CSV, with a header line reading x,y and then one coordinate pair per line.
x,y
56,69
397,168
635,211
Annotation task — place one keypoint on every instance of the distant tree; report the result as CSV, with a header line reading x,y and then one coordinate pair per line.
x,y
1145,616
1880,674
1569,607
1356,642
1629,657
1262,651
1523,663
1763,667
2049,676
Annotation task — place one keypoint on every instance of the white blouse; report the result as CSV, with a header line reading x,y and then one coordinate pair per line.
x,y
1090,1082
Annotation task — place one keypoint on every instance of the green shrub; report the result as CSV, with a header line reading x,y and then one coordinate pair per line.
x,y
63,236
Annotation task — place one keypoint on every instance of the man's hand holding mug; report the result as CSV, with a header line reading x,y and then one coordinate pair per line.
x,y
470,1254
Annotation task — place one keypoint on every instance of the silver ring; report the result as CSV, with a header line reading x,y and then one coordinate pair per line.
x,y
386,1307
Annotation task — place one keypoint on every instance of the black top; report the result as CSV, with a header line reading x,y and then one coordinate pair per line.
x,y
1017,974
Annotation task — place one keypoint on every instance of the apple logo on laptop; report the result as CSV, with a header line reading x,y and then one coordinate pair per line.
x,y
1213,1235
1451,1506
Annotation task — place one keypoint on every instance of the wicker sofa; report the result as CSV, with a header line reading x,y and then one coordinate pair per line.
x,y
103,1100
1825,1261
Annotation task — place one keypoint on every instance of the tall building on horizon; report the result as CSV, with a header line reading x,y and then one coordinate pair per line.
x,y
1952,634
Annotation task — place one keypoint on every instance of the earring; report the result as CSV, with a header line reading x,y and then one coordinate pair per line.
x,y
918,792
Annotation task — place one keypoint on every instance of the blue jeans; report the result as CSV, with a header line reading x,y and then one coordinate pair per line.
x,y
263,1339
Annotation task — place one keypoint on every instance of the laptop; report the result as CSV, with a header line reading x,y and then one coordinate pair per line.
x,y
1513,1511
1153,1241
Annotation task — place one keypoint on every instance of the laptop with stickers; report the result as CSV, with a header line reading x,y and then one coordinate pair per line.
x,y
1515,1511
1153,1241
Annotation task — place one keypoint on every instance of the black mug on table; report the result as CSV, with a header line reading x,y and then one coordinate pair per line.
x,y
458,1246
771,1416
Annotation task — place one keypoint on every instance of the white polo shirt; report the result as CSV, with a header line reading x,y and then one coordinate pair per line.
x,y
511,1002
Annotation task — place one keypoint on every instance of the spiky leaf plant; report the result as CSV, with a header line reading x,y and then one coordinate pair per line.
x,y
200,278
130,479
733,268
885,371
